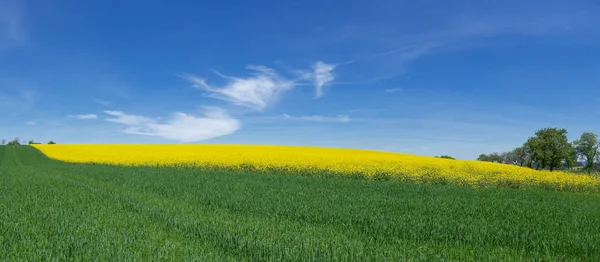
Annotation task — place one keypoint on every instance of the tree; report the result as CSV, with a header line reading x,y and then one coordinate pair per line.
x,y
520,156
532,154
493,157
31,142
447,157
51,142
586,149
483,157
507,158
14,142
550,148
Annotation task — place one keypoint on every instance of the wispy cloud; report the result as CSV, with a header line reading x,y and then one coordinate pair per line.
x,y
85,116
319,118
181,127
322,75
257,91
102,102
463,27
392,90
17,99
30,123
264,86
11,24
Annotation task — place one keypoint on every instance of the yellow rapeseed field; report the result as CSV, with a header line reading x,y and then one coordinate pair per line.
x,y
319,161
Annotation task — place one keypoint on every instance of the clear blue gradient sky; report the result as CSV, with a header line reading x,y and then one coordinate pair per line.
x,y
424,77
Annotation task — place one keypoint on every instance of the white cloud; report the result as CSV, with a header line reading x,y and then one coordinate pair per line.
x,y
85,116
393,90
264,86
319,118
30,123
321,76
258,91
181,127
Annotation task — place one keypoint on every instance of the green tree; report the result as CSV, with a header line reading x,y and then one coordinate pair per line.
x,y
447,157
483,157
14,142
520,156
550,148
532,156
51,142
516,156
586,149
493,157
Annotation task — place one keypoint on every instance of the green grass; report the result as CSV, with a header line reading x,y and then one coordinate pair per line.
x,y
50,210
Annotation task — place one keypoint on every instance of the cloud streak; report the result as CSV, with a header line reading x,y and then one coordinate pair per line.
x,y
180,126
102,102
11,27
319,118
258,91
393,90
85,116
322,75
264,86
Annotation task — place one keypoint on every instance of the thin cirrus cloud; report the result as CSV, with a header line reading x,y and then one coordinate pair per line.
x,y
264,86
180,127
392,90
11,28
30,123
257,91
85,116
102,102
321,75
319,118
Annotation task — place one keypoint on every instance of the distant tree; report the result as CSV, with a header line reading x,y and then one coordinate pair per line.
x,y
447,157
483,157
518,156
495,157
51,142
31,142
550,148
14,142
586,148
506,158
3,142
529,149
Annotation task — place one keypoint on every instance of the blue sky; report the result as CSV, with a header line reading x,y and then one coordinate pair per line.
x,y
423,77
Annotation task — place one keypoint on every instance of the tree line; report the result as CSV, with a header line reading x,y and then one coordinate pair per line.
x,y
550,149
17,141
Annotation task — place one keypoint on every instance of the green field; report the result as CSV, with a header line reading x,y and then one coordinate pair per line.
x,y
55,211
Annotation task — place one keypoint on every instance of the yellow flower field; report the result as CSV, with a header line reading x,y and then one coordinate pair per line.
x,y
316,161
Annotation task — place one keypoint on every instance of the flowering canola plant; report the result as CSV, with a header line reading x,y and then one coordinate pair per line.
x,y
319,161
